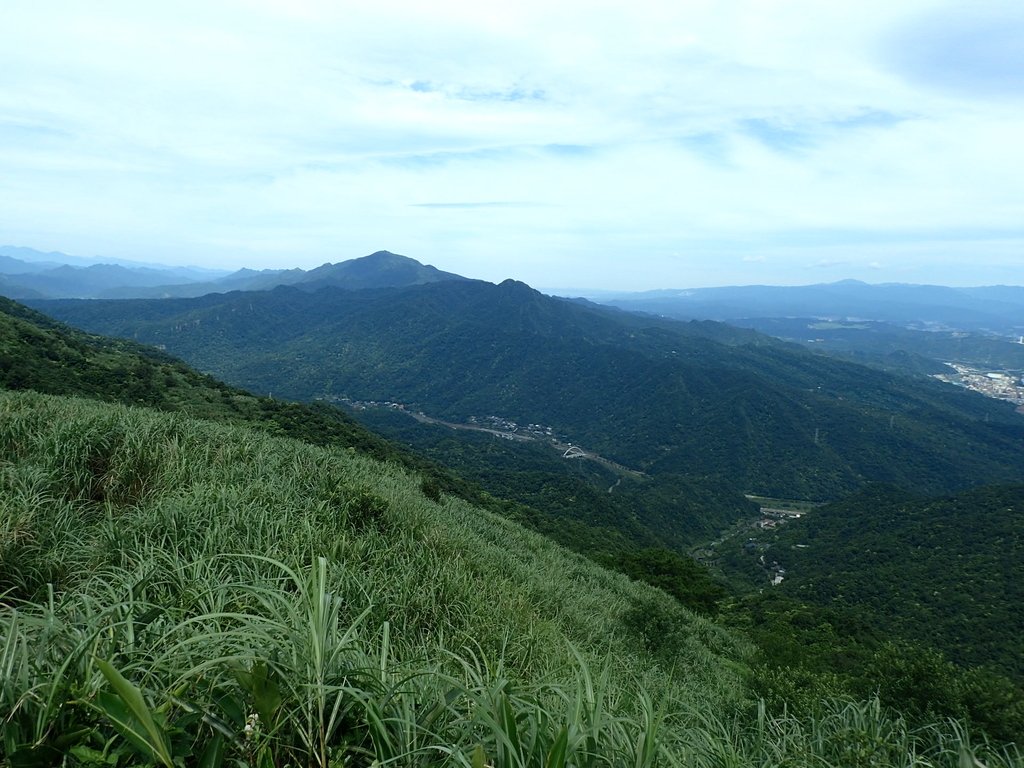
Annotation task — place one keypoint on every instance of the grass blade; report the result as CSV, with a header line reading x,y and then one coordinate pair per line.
x,y
126,708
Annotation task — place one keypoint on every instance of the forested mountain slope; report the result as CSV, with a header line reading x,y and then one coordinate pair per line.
x,y
696,399
946,572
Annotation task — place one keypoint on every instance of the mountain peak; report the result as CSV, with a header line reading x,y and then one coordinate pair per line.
x,y
385,255
515,285
381,269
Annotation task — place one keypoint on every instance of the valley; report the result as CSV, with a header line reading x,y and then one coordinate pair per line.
x,y
999,384
499,427
750,534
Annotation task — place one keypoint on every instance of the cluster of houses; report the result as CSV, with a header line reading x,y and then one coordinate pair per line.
x,y
770,519
497,422
1002,385
362,405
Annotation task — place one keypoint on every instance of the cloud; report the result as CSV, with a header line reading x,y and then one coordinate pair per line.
x,y
712,147
465,93
869,118
600,140
776,136
974,50
487,204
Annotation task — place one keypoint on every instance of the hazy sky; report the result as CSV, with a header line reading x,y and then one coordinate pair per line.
x,y
585,144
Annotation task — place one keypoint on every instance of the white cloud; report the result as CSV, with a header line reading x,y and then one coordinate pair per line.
x,y
279,133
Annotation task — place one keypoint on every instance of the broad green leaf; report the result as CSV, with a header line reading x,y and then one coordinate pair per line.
x,y
127,710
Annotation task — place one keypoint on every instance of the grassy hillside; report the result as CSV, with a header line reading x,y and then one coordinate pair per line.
x,y
178,592
41,354
147,522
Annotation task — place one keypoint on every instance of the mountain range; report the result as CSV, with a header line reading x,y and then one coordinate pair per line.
x,y
699,400
996,309
29,274
173,582
676,420
41,354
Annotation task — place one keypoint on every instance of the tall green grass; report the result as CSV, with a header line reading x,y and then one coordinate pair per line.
x,y
174,592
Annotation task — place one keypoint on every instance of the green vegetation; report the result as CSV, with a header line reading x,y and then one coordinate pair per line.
x,y
166,582
603,508
223,572
43,355
40,354
911,599
636,526
946,572
178,592
809,653
694,400
678,576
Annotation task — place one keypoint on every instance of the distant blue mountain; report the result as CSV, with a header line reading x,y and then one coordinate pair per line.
x,y
28,273
998,309
10,265
382,269
55,258
31,274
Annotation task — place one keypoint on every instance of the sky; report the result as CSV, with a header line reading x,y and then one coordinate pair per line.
x,y
565,143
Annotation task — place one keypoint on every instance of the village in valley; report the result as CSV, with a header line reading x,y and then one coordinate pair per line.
x,y
752,535
1000,384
